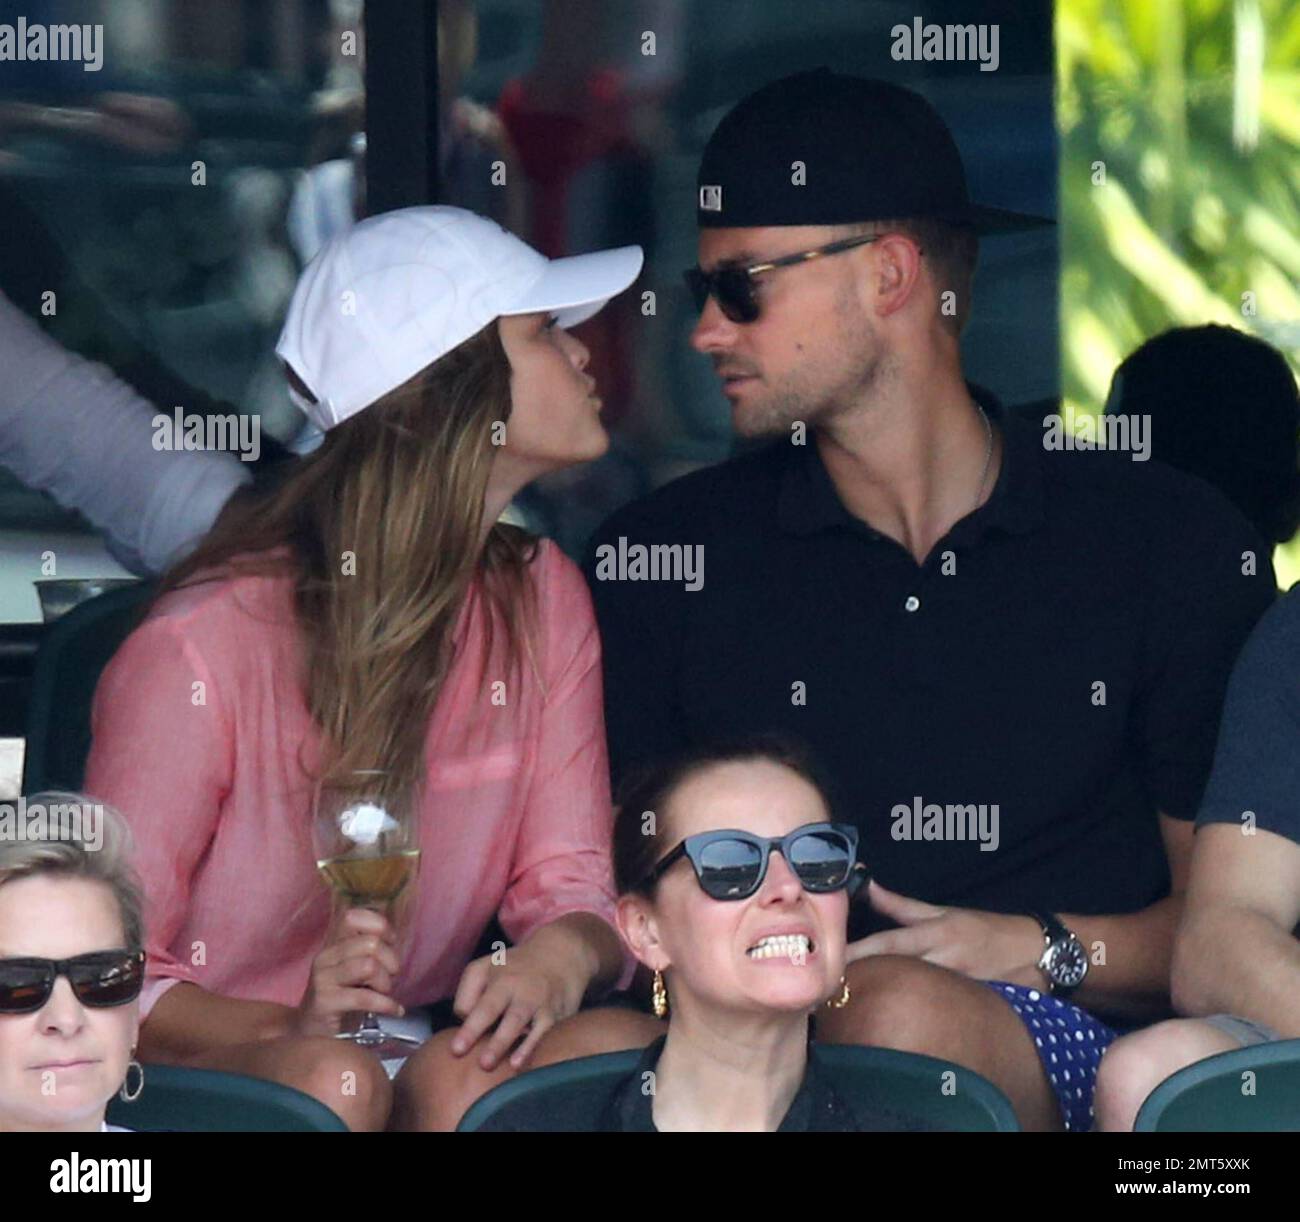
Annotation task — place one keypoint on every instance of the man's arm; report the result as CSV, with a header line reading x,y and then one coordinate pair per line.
x,y
1129,956
1235,950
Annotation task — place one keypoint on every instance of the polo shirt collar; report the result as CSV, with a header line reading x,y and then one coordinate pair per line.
x,y
808,503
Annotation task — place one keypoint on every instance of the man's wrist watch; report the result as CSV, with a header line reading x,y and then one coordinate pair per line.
x,y
1064,960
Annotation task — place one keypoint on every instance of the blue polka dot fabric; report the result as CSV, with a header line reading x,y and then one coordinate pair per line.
x,y
1069,1042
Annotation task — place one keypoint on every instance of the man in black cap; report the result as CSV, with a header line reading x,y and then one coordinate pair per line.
x,y
1010,661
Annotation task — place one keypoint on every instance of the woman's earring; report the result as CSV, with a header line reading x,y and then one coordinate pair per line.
x,y
660,996
838,1003
127,1095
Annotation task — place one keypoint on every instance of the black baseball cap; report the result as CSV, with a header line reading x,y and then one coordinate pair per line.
x,y
870,150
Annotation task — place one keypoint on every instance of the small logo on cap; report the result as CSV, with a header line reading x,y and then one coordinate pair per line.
x,y
711,199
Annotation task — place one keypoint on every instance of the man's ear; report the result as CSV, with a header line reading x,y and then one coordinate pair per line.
x,y
896,272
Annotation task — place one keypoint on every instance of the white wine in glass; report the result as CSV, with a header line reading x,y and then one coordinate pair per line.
x,y
371,882
369,860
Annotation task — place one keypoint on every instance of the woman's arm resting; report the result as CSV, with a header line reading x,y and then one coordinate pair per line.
x,y
188,1020
587,940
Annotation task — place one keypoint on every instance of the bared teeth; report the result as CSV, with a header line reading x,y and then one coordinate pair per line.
x,y
781,946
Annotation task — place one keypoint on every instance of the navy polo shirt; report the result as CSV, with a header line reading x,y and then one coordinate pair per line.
x,y
1047,681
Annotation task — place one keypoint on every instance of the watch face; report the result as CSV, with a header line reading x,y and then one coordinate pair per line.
x,y
1069,963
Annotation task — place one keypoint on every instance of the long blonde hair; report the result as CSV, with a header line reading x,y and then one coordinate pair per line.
x,y
382,525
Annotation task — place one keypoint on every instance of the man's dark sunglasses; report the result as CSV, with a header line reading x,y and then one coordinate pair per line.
x,y
731,865
734,286
102,978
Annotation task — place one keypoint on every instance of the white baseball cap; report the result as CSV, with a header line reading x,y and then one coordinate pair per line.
x,y
396,291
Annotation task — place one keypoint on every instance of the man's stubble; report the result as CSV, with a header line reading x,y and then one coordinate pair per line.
x,y
840,378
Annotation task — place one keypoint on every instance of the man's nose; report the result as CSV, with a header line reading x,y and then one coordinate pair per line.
x,y
714,331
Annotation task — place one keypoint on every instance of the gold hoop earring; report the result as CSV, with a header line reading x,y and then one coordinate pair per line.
x,y
838,1003
660,996
127,1095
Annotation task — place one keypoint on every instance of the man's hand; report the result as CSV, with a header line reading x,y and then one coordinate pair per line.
x,y
982,945
541,982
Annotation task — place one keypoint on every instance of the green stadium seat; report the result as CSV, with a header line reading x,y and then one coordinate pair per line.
x,y
572,1092
71,657
1210,1096
182,1100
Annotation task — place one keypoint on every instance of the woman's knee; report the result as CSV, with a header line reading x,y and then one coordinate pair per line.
x,y
348,1080
592,1032
436,1087
1134,1065
895,1001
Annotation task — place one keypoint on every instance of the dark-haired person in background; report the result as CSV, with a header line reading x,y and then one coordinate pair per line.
x,y
954,618
1223,406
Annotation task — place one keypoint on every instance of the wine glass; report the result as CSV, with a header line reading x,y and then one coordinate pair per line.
x,y
368,855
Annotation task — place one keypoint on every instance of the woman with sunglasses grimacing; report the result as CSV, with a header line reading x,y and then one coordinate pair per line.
x,y
735,884
71,967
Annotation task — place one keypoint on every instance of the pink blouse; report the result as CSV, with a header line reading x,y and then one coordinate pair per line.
x,y
198,722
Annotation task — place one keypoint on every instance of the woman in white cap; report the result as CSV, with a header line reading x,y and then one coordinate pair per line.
x,y
370,611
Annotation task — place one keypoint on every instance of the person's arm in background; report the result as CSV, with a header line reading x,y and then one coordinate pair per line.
x,y
1235,949
71,428
1236,952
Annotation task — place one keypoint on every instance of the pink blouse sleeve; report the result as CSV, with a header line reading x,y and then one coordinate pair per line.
x,y
162,755
562,860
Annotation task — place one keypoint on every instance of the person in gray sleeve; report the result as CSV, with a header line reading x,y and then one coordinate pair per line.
x,y
70,427
1236,965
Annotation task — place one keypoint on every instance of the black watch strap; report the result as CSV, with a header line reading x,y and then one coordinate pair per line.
x,y
1054,931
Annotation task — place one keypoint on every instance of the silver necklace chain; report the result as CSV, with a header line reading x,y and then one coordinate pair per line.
x,y
988,457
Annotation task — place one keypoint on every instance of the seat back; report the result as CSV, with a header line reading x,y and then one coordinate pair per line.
x,y
923,1089
1216,1096
571,1094
73,653
175,1099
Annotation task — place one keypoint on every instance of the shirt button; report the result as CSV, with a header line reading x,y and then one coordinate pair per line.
x,y
913,603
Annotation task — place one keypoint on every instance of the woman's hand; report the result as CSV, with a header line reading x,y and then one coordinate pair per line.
x,y
982,945
529,987
354,971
